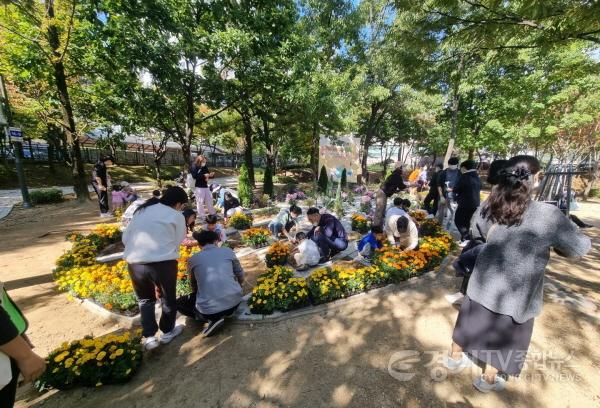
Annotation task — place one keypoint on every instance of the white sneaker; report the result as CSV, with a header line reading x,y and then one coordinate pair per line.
x,y
464,243
150,343
456,366
166,338
482,385
455,298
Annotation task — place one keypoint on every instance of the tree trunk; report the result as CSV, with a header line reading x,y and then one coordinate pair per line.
x,y
157,171
471,154
314,153
80,184
454,109
190,116
248,149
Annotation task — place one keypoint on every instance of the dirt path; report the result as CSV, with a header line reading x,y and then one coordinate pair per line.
x,y
339,358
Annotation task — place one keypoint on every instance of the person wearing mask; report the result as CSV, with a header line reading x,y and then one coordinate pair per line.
x,y
101,182
285,222
201,175
393,184
448,179
430,203
16,355
402,231
396,209
328,233
505,292
467,193
231,206
152,242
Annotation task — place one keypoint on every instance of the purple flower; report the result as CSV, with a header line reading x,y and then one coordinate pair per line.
x,y
365,199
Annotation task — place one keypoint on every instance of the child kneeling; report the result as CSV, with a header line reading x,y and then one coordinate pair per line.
x,y
370,242
307,254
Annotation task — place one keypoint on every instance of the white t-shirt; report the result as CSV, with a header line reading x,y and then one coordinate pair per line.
x,y
154,235
309,252
407,240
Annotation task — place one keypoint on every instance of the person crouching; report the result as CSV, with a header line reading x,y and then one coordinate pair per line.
x,y
219,277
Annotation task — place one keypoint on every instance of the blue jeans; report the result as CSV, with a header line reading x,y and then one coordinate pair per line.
x,y
329,247
277,227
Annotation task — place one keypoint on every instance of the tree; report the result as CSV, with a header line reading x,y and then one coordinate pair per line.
x,y
343,181
268,182
41,47
323,180
244,187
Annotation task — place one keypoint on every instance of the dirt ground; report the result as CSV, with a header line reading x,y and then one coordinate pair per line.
x,y
353,356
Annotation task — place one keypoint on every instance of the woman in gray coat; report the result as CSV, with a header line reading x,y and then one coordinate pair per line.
x,y
505,292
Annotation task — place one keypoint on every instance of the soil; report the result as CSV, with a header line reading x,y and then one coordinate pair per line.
x,y
351,356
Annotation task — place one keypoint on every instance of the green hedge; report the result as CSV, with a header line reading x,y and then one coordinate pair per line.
x,y
46,196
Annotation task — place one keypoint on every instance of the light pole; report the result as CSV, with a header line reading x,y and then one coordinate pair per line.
x,y
18,146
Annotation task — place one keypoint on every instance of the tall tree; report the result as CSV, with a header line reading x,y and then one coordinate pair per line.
x,y
38,39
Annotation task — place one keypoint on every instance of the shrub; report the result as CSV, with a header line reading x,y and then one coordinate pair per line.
x,y
110,359
46,196
240,221
323,180
244,187
268,183
256,237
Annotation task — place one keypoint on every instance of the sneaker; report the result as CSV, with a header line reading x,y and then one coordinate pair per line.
x,y
463,243
213,327
482,385
150,343
105,215
456,366
166,338
455,298
323,260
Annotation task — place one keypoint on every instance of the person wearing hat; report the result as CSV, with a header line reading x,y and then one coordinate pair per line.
x,y
100,182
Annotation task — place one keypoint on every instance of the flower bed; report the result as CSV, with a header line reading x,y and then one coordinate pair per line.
x,y
418,215
359,223
278,290
110,359
110,286
240,221
256,237
277,254
86,247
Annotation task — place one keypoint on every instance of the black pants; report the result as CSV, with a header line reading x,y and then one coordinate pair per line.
x,y
430,203
145,277
462,220
7,394
186,305
329,247
102,198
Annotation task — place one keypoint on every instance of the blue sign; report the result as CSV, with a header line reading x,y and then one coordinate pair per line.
x,y
16,134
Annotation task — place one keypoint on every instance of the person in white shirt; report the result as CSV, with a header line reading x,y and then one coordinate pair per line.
x,y
152,242
308,252
402,231
396,209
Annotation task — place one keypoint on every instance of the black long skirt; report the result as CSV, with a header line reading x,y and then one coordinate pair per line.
x,y
492,338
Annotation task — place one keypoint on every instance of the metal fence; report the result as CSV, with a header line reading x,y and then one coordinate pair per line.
x,y
39,152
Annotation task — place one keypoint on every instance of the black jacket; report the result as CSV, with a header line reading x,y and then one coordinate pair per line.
x,y
467,190
199,174
393,183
